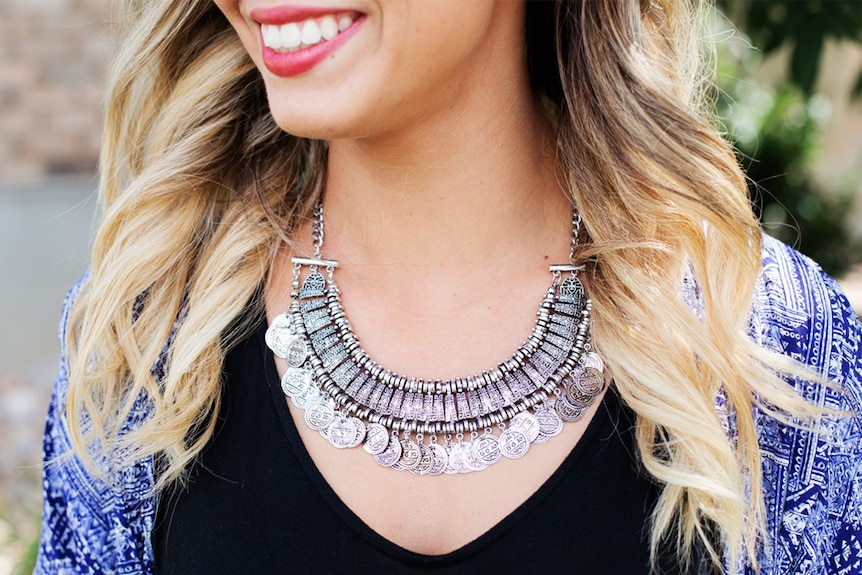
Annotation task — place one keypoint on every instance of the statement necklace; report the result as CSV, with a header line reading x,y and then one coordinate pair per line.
x,y
429,426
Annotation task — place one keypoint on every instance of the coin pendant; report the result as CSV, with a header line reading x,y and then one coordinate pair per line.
x,y
513,443
590,381
471,462
310,396
550,423
577,398
426,460
594,360
487,449
410,454
341,432
376,439
527,423
567,411
319,416
441,459
455,463
296,382
359,431
389,456
297,352
280,325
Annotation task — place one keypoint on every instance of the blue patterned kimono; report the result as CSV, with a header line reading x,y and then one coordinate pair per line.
x,y
812,481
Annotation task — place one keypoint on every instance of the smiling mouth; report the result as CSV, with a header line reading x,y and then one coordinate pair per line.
x,y
293,36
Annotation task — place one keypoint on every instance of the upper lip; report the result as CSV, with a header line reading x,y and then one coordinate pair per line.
x,y
285,14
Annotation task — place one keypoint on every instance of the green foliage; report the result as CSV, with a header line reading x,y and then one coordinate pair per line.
x,y
804,25
776,129
28,562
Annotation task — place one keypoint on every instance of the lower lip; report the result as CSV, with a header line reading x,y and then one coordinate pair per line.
x,y
287,64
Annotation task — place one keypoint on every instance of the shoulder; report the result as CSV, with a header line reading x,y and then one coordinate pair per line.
x,y
812,478
801,312
88,525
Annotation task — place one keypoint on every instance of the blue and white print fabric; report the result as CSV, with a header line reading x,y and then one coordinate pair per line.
x,y
812,478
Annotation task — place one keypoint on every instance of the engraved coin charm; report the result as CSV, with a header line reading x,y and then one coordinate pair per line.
x,y
376,439
472,462
358,431
594,360
426,460
278,329
310,396
526,423
341,432
296,382
577,398
513,443
567,411
319,416
440,459
296,352
589,381
550,423
410,454
455,462
389,456
487,449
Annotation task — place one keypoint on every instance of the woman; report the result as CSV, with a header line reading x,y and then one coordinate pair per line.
x,y
443,164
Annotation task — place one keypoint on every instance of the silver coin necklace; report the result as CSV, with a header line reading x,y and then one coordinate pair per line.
x,y
433,426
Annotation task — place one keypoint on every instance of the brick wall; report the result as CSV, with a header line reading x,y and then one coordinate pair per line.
x,y
53,60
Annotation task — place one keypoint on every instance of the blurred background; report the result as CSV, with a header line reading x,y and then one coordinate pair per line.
x,y
788,90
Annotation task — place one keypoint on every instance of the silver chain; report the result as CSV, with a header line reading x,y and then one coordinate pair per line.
x,y
317,229
576,228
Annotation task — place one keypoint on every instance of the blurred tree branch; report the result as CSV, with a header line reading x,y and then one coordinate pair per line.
x,y
805,25
776,128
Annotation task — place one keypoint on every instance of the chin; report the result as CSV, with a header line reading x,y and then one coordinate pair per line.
x,y
320,123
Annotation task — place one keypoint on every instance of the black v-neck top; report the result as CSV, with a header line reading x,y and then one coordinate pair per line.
x,y
256,503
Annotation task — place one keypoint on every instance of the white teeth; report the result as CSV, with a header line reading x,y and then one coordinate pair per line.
x,y
271,37
328,27
310,33
289,37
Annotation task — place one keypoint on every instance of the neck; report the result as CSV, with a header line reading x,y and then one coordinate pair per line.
x,y
451,191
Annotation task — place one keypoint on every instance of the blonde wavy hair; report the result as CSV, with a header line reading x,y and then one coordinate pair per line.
x,y
199,188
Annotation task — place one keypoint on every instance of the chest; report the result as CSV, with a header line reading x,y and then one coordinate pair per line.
x,y
270,490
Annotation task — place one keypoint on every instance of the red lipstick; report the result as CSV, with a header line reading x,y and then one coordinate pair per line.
x,y
287,64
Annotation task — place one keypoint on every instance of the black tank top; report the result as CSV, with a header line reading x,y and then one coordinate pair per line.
x,y
255,502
